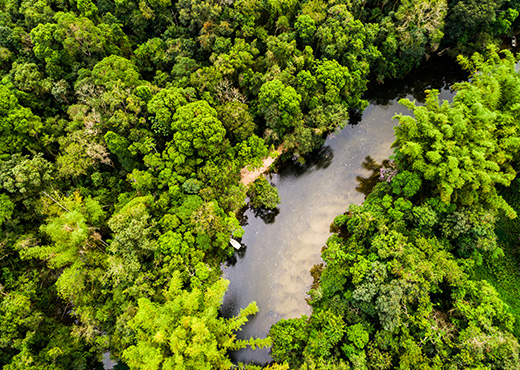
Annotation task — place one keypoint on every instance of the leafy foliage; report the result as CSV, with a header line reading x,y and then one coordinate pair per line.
x,y
124,126
398,290
186,326
263,194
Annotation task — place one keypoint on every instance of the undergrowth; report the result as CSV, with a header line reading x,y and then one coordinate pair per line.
x,y
504,272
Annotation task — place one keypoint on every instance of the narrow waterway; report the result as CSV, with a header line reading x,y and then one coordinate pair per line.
x,y
281,247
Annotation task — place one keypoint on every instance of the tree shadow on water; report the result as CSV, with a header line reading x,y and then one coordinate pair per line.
x,y
437,73
238,255
316,160
366,184
266,214
355,116
242,216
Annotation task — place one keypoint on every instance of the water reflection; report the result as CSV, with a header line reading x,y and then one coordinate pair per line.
x,y
266,214
319,159
438,74
282,247
355,116
238,255
367,183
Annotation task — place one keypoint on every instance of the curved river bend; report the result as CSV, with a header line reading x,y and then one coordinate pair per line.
x,y
282,246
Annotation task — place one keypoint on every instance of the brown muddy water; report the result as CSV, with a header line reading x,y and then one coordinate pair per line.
x,y
280,247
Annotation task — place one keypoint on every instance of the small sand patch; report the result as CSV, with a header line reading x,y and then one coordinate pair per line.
x,y
247,177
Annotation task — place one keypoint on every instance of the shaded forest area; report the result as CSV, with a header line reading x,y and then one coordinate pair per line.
x,y
123,129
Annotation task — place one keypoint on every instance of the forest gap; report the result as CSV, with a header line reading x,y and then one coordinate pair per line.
x,y
281,246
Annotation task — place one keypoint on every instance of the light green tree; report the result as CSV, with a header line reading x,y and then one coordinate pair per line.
x,y
466,148
186,330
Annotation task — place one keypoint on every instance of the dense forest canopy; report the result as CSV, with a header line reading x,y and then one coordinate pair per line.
x,y
123,129
399,288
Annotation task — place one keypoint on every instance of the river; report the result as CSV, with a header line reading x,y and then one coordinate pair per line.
x,y
281,247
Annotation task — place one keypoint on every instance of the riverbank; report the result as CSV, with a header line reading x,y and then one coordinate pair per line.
x,y
281,247
247,176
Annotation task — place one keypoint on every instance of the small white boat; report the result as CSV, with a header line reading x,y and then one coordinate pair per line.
x,y
234,243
